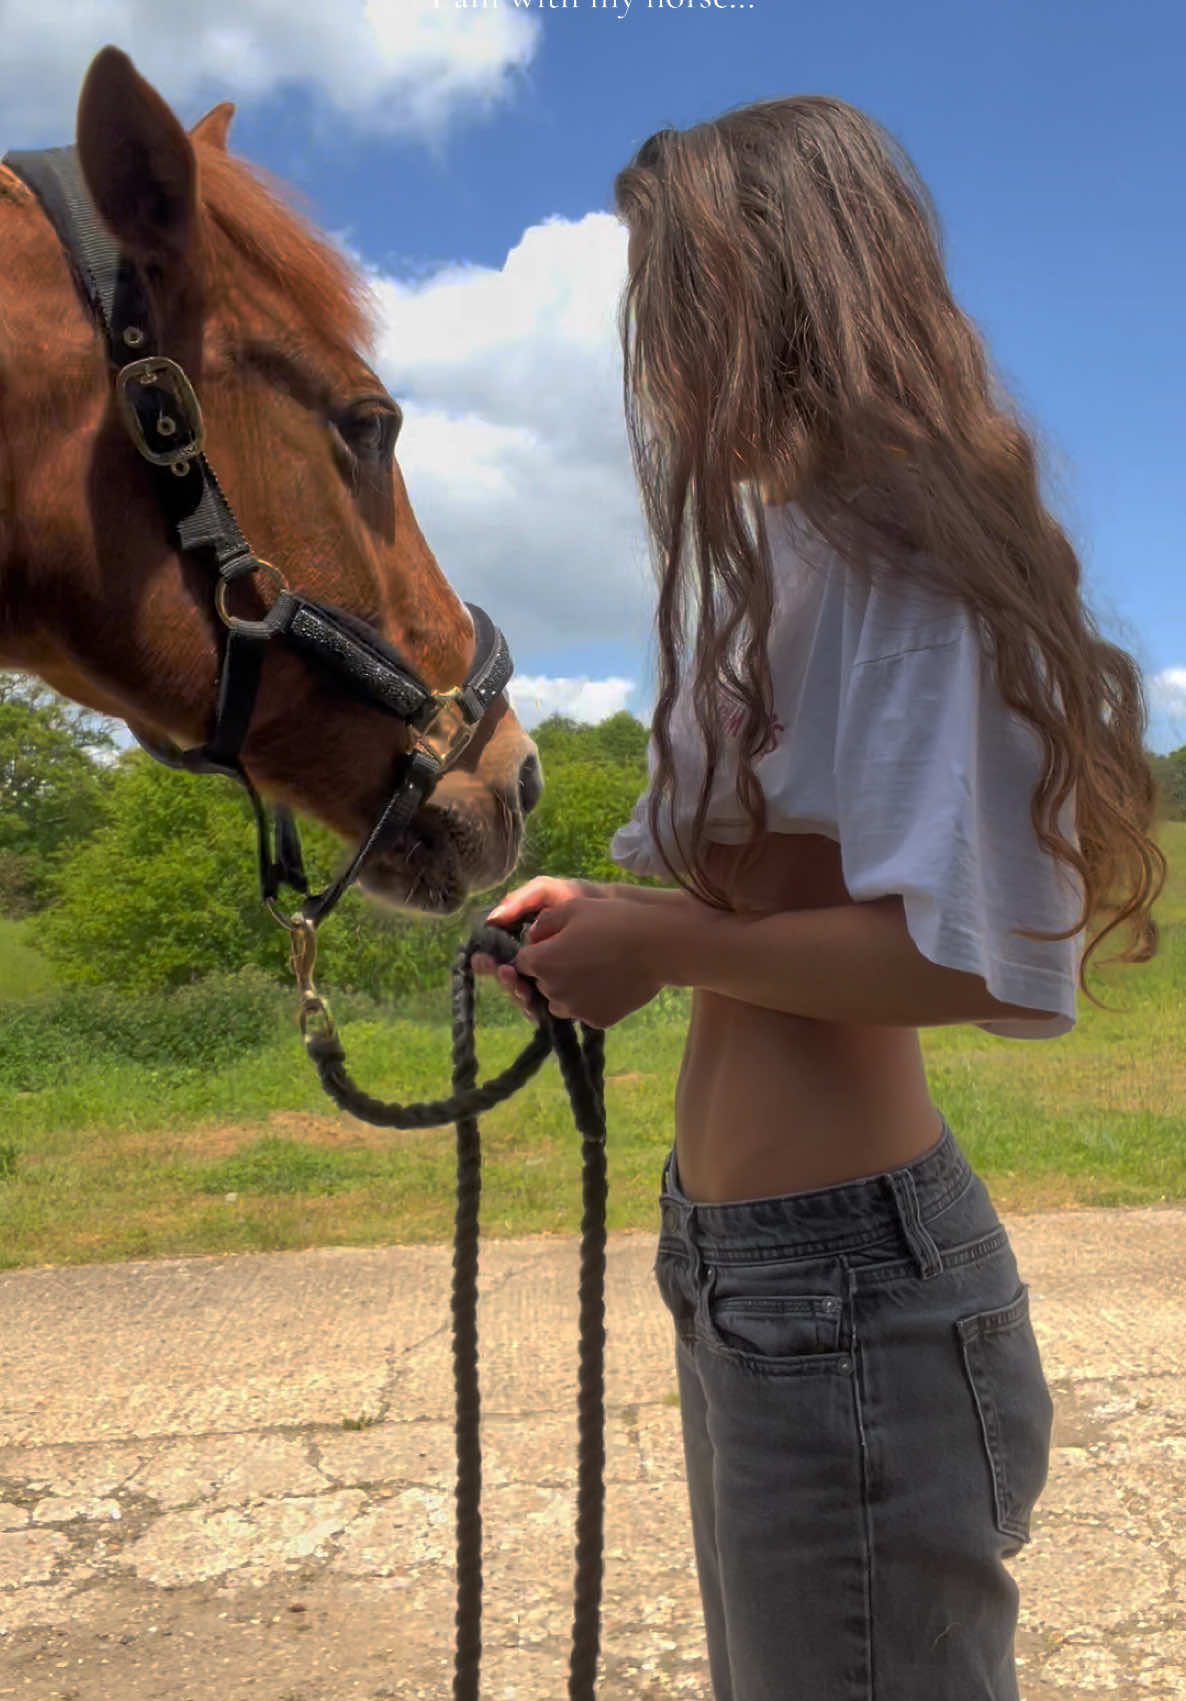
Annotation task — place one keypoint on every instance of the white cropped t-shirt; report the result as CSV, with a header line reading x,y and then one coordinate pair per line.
x,y
890,737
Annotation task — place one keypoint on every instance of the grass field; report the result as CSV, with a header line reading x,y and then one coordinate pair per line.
x,y
24,972
120,1161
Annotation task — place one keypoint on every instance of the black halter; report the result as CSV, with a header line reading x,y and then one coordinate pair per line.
x,y
163,417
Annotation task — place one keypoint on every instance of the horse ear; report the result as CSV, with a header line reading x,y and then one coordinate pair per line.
x,y
137,160
212,129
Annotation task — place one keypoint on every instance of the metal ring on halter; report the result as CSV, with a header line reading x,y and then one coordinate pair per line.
x,y
254,628
291,923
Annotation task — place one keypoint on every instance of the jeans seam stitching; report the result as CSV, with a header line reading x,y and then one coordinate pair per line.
x,y
826,1248
877,1274
1007,1519
955,1258
854,1348
803,1250
952,1197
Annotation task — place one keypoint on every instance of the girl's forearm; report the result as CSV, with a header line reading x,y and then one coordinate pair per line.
x,y
640,894
853,963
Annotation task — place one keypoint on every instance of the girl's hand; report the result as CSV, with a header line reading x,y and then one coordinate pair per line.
x,y
595,961
542,893
539,894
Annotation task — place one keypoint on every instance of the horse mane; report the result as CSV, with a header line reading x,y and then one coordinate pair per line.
x,y
11,186
250,212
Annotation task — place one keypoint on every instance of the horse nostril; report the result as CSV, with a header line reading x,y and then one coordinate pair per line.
x,y
531,784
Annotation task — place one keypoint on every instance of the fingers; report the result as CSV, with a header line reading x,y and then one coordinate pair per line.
x,y
508,909
537,894
522,991
513,984
546,925
504,972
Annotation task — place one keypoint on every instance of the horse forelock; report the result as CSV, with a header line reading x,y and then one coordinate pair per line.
x,y
249,219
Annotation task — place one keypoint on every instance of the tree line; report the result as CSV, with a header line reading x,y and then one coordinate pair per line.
x,y
137,877
141,878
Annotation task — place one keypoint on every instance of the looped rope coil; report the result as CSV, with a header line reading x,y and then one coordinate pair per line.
x,y
582,1065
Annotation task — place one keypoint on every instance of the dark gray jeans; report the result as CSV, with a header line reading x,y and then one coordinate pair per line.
x,y
866,1431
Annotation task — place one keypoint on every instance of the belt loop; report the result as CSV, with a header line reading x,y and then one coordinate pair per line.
x,y
905,1196
679,1220
704,1275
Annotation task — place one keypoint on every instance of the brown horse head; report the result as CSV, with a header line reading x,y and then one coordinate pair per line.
x,y
270,324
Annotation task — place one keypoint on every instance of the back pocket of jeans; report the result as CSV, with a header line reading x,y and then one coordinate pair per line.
x,y
1014,1406
776,1328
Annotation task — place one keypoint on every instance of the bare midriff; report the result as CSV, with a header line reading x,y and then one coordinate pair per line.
x,y
768,1103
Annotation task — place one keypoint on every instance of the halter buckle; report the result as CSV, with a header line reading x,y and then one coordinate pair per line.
x,y
161,411
445,735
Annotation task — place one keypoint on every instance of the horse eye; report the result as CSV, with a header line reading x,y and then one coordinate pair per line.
x,y
371,431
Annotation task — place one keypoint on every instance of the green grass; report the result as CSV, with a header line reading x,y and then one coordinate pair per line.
x,y
24,972
120,1160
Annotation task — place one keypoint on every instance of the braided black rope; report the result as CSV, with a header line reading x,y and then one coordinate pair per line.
x,y
582,1065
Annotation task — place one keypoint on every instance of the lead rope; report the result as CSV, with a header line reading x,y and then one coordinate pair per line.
x,y
582,1065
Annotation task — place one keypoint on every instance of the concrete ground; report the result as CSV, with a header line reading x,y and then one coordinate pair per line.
x,y
184,1516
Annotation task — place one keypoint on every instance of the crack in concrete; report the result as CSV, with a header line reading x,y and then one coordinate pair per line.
x,y
351,1523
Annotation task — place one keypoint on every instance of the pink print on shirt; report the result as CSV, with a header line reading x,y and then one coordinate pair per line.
x,y
734,720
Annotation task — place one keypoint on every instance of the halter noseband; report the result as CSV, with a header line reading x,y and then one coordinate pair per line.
x,y
160,409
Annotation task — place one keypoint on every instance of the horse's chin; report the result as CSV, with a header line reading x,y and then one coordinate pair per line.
x,y
418,878
413,895
438,862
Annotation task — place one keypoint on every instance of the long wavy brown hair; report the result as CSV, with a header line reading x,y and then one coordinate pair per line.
x,y
789,334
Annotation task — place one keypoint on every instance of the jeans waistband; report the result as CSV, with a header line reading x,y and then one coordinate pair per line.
x,y
828,1219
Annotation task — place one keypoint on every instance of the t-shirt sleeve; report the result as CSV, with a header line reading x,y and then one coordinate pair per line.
x,y
933,779
632,847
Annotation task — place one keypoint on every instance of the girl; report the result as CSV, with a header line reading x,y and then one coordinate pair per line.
x,y
895,774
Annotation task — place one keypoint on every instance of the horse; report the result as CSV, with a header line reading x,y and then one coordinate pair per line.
x,y
271,324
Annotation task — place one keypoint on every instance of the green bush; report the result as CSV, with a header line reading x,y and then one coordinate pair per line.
x,y
1169,773
200,1026
163,893
365,950
22,883
583,805
621,740
52,783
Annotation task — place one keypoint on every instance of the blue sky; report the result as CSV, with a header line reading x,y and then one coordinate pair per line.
x,y
467,157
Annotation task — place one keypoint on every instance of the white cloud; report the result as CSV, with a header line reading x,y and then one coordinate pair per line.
x,y
384,65
534,697
1168,690
514,447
